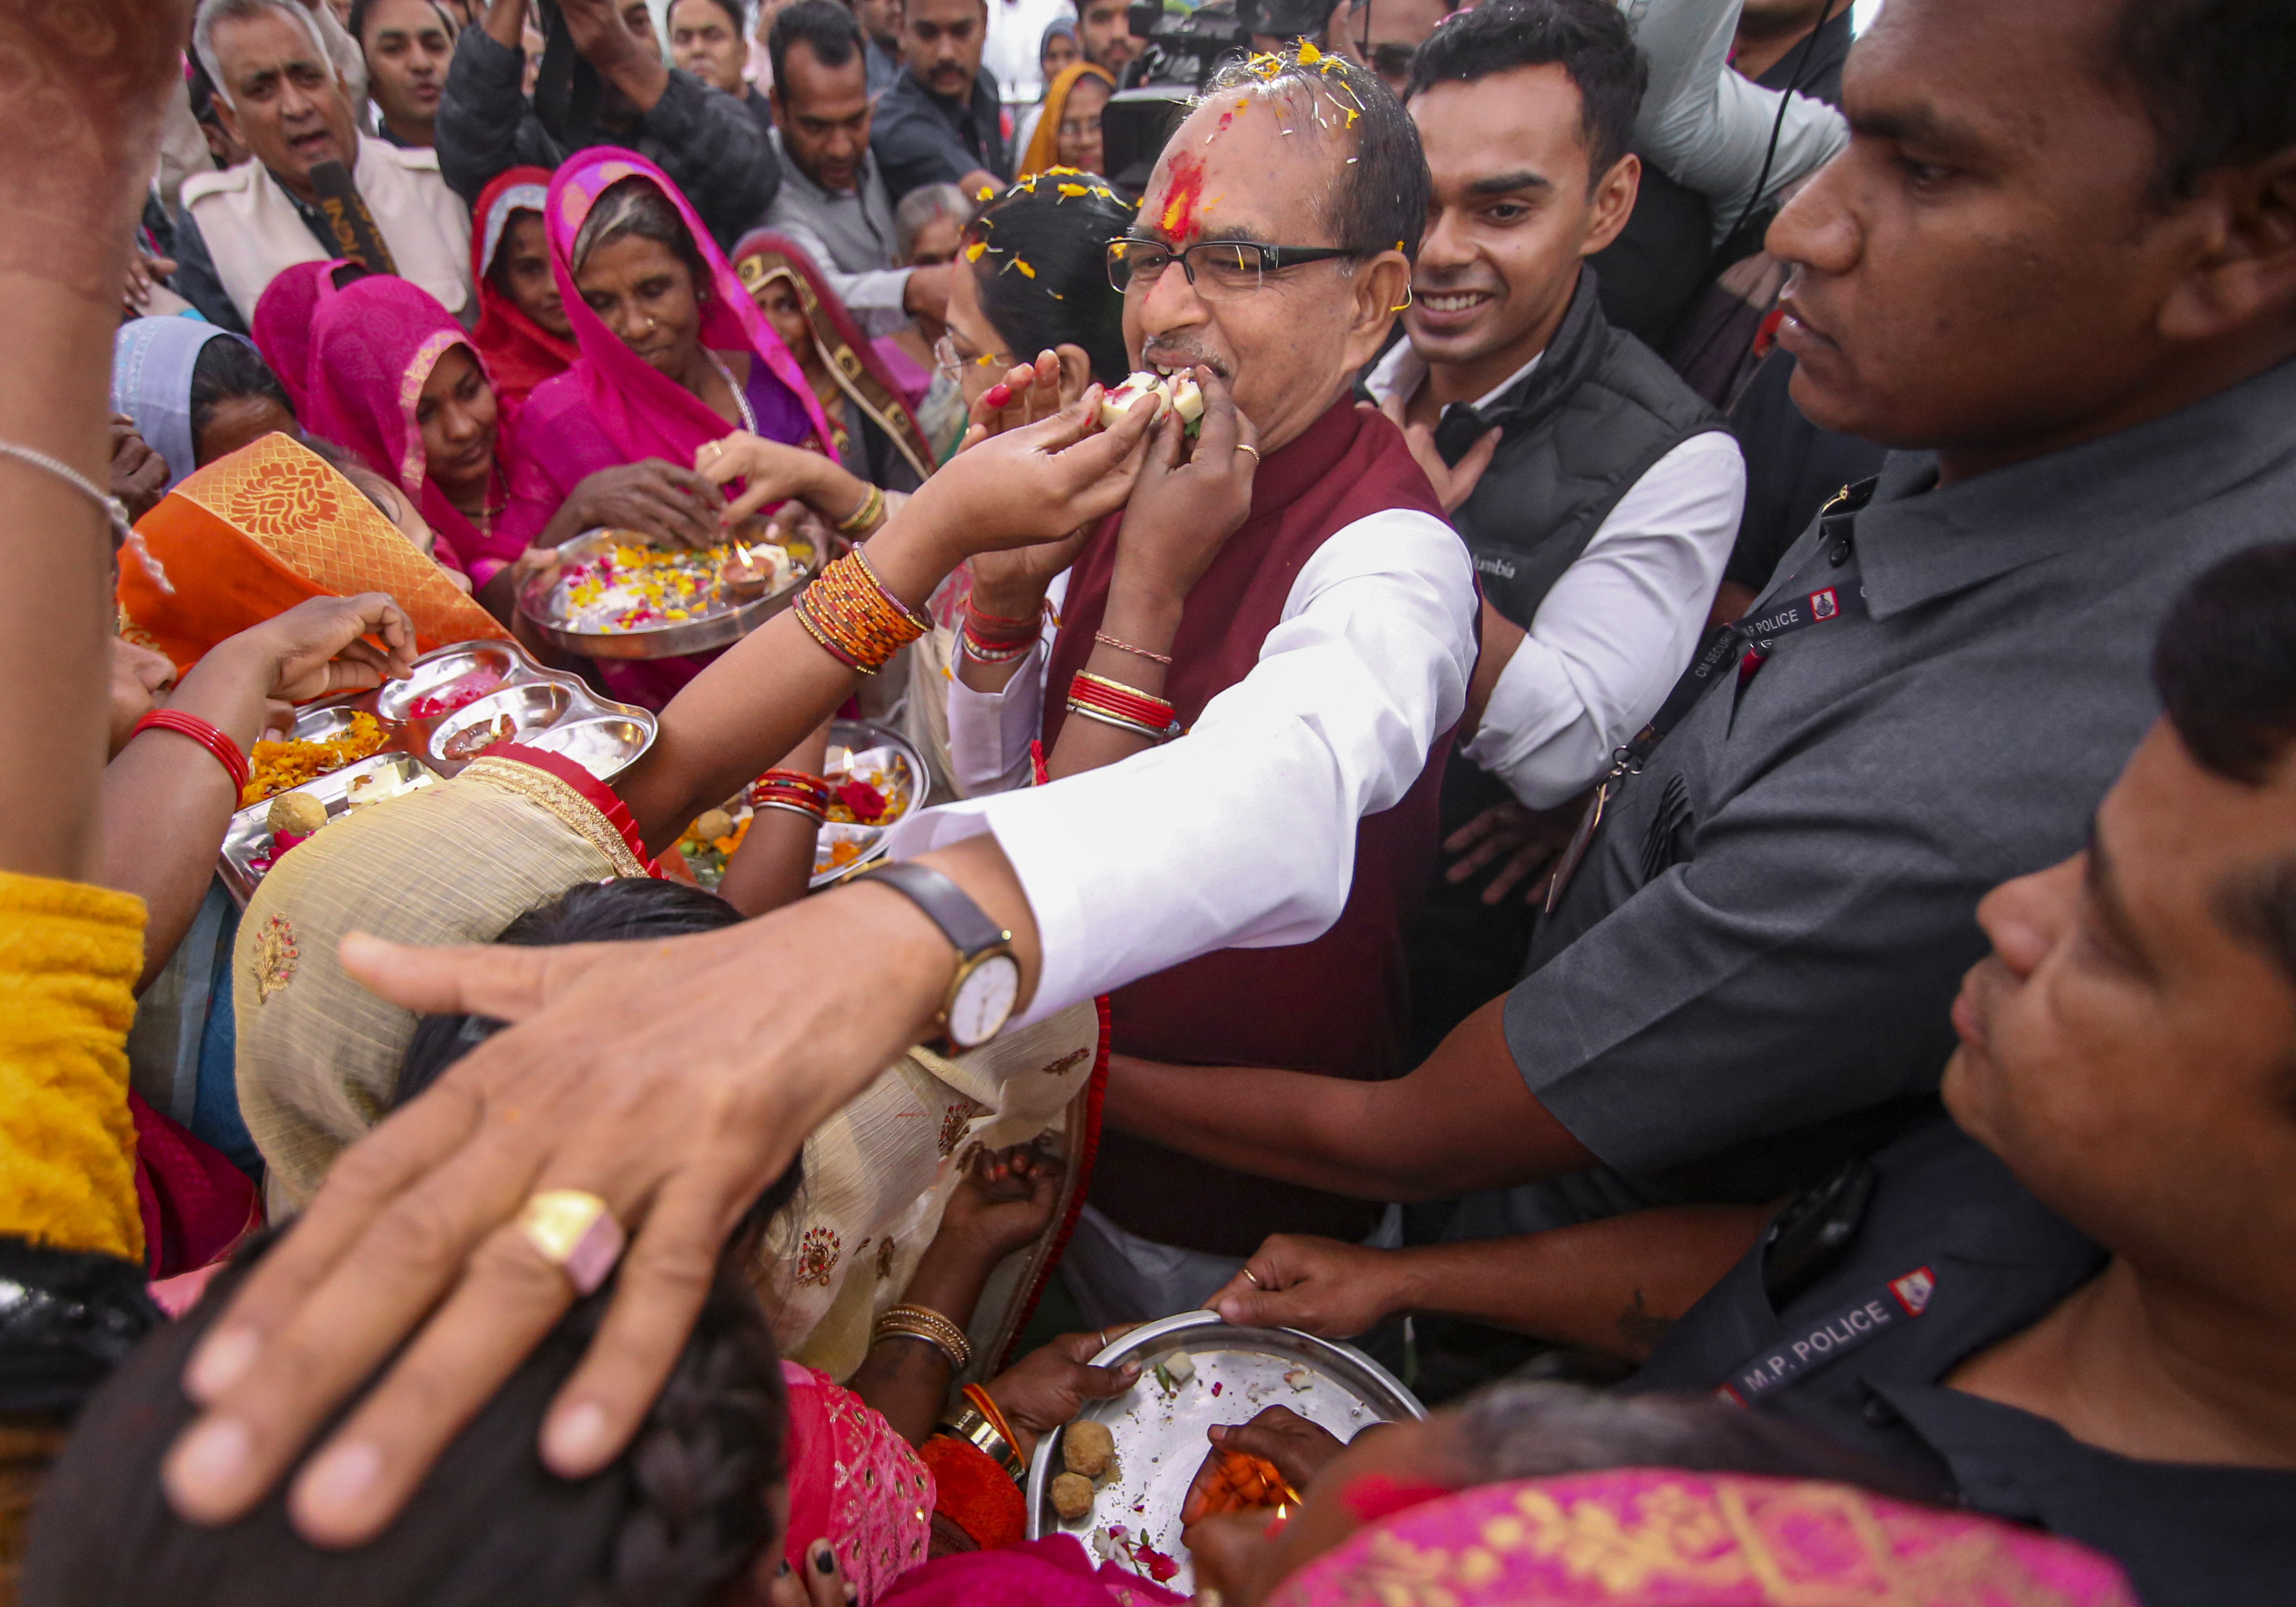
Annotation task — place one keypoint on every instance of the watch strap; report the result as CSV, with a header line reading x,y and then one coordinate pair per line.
x,y
964,924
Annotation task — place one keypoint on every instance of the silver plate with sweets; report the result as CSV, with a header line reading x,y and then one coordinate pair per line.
x,y
615,594
347,752
1198,1370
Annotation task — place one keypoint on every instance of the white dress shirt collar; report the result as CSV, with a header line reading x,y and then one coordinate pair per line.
x,y
1403,371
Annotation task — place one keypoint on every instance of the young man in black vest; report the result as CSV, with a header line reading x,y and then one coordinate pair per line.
x,y
1597,493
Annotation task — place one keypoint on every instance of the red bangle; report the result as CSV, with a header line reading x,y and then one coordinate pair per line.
x,y
986,617
225,750
993,634
1098,692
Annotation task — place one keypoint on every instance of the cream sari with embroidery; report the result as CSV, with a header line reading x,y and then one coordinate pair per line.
x,y
319,1056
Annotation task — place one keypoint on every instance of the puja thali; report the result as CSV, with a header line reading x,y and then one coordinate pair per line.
x,y
879,778
345,753
615,594
1230,1375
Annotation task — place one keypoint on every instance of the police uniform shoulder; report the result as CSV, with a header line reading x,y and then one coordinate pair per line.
x,y
231,181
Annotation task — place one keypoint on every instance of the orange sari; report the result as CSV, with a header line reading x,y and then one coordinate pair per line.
x,y
253,535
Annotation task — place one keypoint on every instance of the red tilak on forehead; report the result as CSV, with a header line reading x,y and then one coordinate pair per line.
x,y
1184,199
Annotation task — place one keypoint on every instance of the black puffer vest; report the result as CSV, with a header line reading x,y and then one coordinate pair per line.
x,y
1580,429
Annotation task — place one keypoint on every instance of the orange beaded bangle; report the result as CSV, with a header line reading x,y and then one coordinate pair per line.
x,y
856,621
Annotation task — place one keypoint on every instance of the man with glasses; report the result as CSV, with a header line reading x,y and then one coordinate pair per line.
x,y
1316,659
941,123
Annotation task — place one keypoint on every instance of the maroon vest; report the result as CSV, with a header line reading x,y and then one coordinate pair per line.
x,y
1337,1006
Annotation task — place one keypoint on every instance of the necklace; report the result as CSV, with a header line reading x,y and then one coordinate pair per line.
x,y
485,514
749,414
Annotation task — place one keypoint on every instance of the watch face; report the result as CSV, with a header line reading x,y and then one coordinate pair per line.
x,y
984,1001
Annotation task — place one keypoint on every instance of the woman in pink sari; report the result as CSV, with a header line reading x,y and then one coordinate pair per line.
x,y
394,381
675,355
286,316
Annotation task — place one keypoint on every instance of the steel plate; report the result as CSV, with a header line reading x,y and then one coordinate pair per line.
x,y
726,621
1159,1437
553,710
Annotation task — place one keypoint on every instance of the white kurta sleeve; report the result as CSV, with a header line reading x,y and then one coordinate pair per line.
x,y
1241,834
1618,627
989,731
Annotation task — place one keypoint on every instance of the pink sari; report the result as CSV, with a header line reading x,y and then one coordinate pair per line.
x,y
614,409
371,352
283,322
1622,1537
1660,1538
854,1482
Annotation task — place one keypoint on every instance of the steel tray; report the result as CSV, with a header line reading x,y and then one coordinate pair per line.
x,y
726,621
552,711
1159,1437
862,736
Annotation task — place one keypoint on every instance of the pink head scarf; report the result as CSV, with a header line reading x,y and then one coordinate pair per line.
x,y
371,352
1658,1538
285,316
853,1482
643,411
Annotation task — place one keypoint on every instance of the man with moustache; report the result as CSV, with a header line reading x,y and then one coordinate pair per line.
x,y
1341,604
1598,494
278,91
833,201
2055,268
2069,1306
941,123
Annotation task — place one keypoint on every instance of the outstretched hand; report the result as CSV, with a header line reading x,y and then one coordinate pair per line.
x,y
1453,483
1318,1286
1048,1387
1028,394
1190,499
410,1254
1004,1201
1039,482
321,647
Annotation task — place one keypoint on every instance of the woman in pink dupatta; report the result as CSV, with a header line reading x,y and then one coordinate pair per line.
x,y
395,380
286,317
675,355
1621,1538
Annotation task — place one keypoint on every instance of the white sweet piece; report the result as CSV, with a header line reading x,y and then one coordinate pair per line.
x,y
1115,403
1187,398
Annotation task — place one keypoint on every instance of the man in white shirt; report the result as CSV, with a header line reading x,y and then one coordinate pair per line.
x,y
278,90
832,201
1599,495
1312,645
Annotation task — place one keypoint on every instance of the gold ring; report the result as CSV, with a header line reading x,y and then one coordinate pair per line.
x,y
1256,1283
574,1232
1248,446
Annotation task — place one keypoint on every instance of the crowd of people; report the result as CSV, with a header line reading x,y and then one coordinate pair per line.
x,y
1655,779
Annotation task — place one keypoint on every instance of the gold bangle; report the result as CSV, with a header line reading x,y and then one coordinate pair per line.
x,y
924,1323
973,1427
872,509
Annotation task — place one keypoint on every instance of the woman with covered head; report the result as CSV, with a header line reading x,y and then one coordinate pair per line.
x,y
524,334
195,392
1067,132
674,356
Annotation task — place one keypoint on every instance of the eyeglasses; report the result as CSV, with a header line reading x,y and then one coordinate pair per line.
x,y
952,364
1220,270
